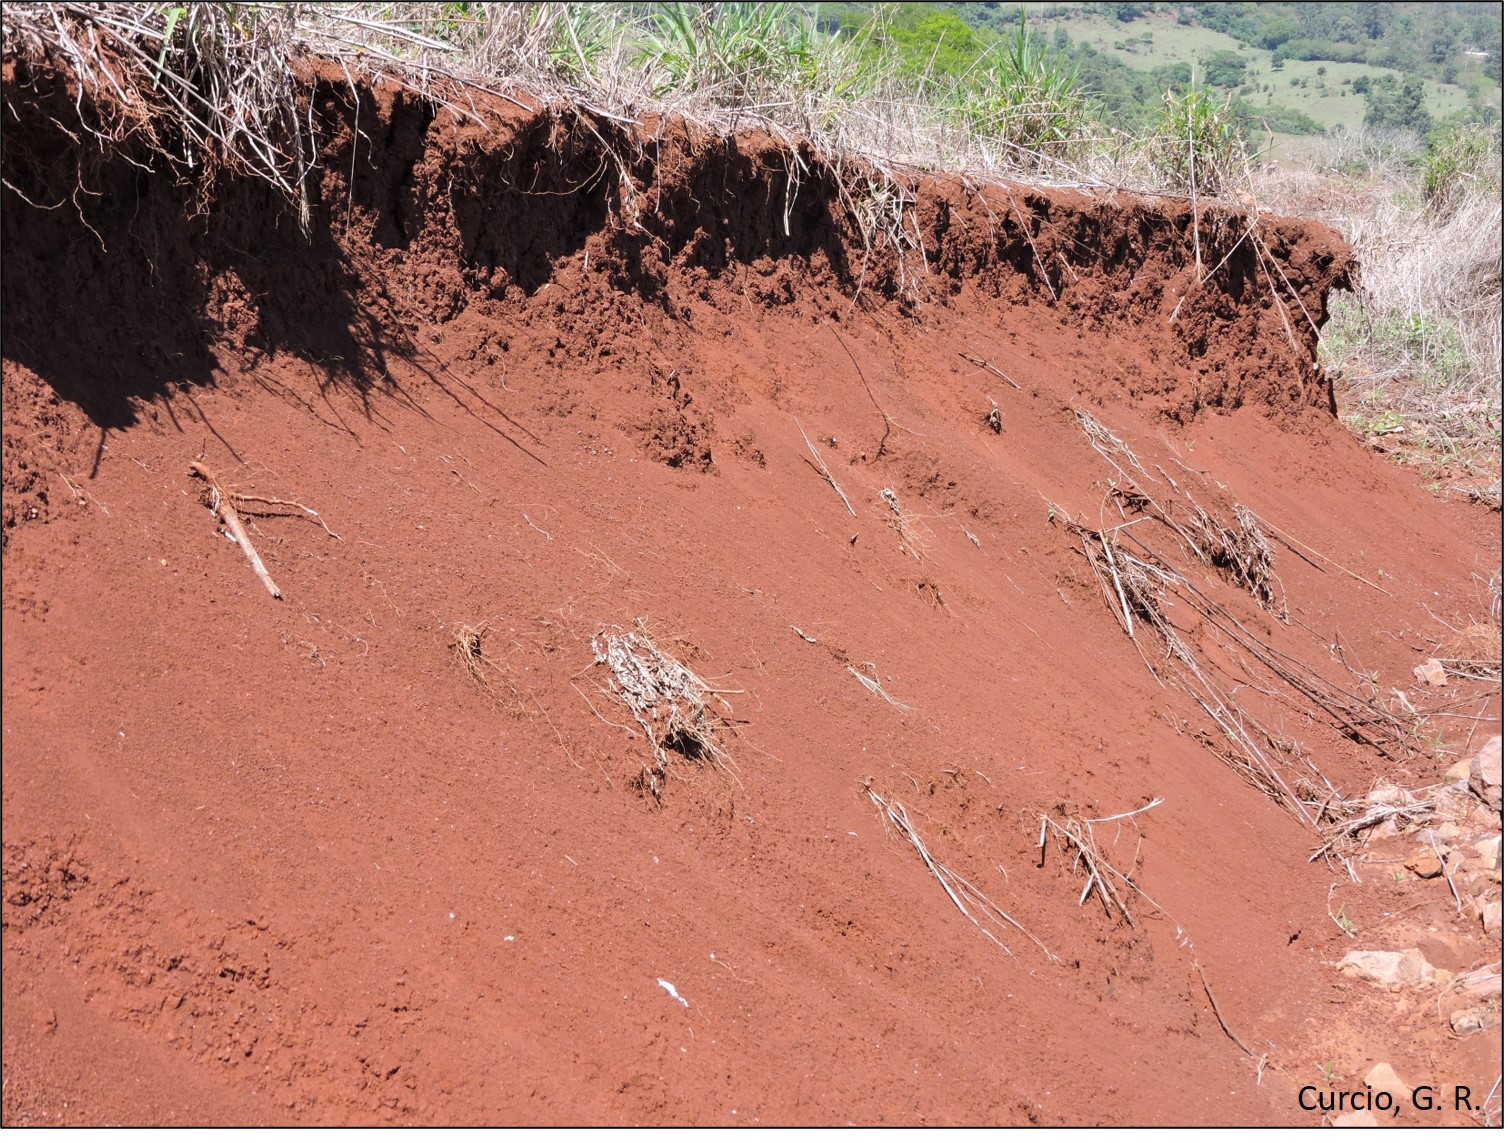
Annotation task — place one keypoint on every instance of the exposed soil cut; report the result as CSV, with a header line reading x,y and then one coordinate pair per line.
x,y
398,847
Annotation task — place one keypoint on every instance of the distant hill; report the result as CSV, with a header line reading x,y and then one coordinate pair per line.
x,y
1297,68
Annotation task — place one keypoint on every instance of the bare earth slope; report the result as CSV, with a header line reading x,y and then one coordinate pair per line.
x,y
290,861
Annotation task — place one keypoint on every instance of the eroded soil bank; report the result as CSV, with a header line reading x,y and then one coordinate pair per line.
x,y
543,381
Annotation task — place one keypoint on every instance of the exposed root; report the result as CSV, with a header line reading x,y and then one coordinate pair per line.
x,y
222,503
989,368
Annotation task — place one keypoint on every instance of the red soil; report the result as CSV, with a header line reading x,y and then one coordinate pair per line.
x,y
285,861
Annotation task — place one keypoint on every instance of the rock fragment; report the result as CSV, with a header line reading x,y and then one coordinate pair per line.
x,y
1355,1119
1382,1077
1492,918
1388,795
1487,774
1431,672
1390,969
1424,864
1480,983
1489,853
1469,1020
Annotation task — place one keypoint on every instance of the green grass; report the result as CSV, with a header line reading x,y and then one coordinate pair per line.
x,y
1417,348
1171,42
1298,84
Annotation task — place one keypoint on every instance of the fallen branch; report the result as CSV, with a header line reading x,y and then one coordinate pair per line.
x,y
220,502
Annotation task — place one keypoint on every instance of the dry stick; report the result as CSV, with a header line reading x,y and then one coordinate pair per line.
x,y
1231,722
1429,836
983,364
1115,575
1295,675
227,511
1194,196
880,451
1282,309
1286,538
822,468
1110,602
1216,1009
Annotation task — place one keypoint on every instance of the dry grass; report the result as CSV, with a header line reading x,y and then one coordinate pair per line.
x,y
871,683
672,705
1137,589
213,87
1472,647
1140,583
906,525
1236,547
1418,347
466,645
207,86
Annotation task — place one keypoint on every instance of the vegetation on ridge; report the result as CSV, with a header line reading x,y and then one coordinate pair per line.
x,y
211,86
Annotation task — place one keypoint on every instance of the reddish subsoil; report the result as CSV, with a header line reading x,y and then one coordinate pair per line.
x,y
288,861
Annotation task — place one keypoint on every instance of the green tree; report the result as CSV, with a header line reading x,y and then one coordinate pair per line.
x,y
939,43
1394,104
1224,69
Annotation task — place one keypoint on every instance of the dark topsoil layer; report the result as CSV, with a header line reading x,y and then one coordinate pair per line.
x,y
286,861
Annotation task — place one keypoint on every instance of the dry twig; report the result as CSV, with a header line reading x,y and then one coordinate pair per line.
x,y
872,683
986,915
822,469
220,502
